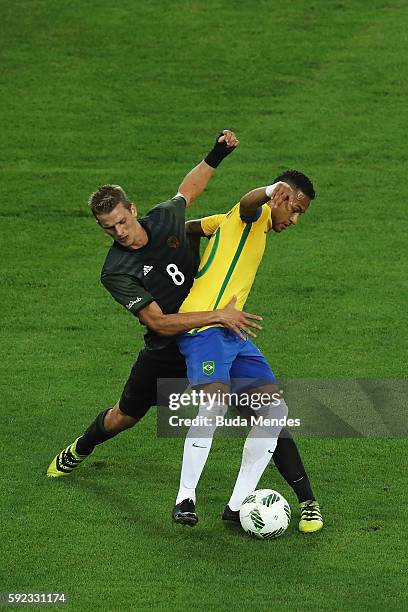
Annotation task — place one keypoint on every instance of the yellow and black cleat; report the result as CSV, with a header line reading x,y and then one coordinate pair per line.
x,y
310,517
66,461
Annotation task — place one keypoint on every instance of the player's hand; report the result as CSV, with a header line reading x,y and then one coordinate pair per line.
x,y
225,144
229,138
238,321
282,193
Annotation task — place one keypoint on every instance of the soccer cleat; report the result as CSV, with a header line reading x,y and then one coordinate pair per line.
x,y
184,513
230,516
66,461
310,516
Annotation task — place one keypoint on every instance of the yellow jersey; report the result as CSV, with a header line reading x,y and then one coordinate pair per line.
x,y
230,261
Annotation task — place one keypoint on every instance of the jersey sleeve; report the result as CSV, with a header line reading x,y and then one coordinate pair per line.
x,y
176,206
127,290
209,225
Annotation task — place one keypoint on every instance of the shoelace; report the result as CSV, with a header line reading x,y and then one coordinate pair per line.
x,y
311,512
68,459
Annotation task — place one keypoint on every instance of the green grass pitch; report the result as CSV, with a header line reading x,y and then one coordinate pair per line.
x,y
133,93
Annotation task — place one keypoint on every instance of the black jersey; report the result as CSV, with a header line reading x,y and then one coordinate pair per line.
x,y
162,271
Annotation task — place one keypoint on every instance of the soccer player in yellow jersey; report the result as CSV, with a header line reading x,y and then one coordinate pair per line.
x,y
219,360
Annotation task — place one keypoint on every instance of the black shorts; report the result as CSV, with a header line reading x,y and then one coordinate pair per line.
x,y
140,392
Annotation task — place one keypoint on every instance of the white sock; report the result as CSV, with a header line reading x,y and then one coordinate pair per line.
x,y
197,446
258,450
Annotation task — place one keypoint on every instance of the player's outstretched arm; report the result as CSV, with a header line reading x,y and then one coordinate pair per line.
x,y
173,324
276,194
197,179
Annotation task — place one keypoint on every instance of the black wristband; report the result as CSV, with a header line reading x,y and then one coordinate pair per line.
x,y
218,153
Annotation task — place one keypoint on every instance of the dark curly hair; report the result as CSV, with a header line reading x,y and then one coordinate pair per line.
x,y
106,198
299,180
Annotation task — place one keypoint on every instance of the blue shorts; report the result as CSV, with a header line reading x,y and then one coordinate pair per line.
x,y
220,355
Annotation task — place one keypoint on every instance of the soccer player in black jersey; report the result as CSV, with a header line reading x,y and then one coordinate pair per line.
x,y
150,269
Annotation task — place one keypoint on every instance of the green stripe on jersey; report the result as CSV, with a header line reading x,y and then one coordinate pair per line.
x,y
211,255
238,252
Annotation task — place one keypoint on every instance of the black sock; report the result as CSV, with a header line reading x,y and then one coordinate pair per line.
x,y
95,434
290,466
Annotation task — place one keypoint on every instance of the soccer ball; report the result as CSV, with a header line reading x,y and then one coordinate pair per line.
x,y
265,514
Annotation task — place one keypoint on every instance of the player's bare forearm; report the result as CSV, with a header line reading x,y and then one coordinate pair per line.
x,y
197,179
174,324
252,200
195,182
274,195
193,228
